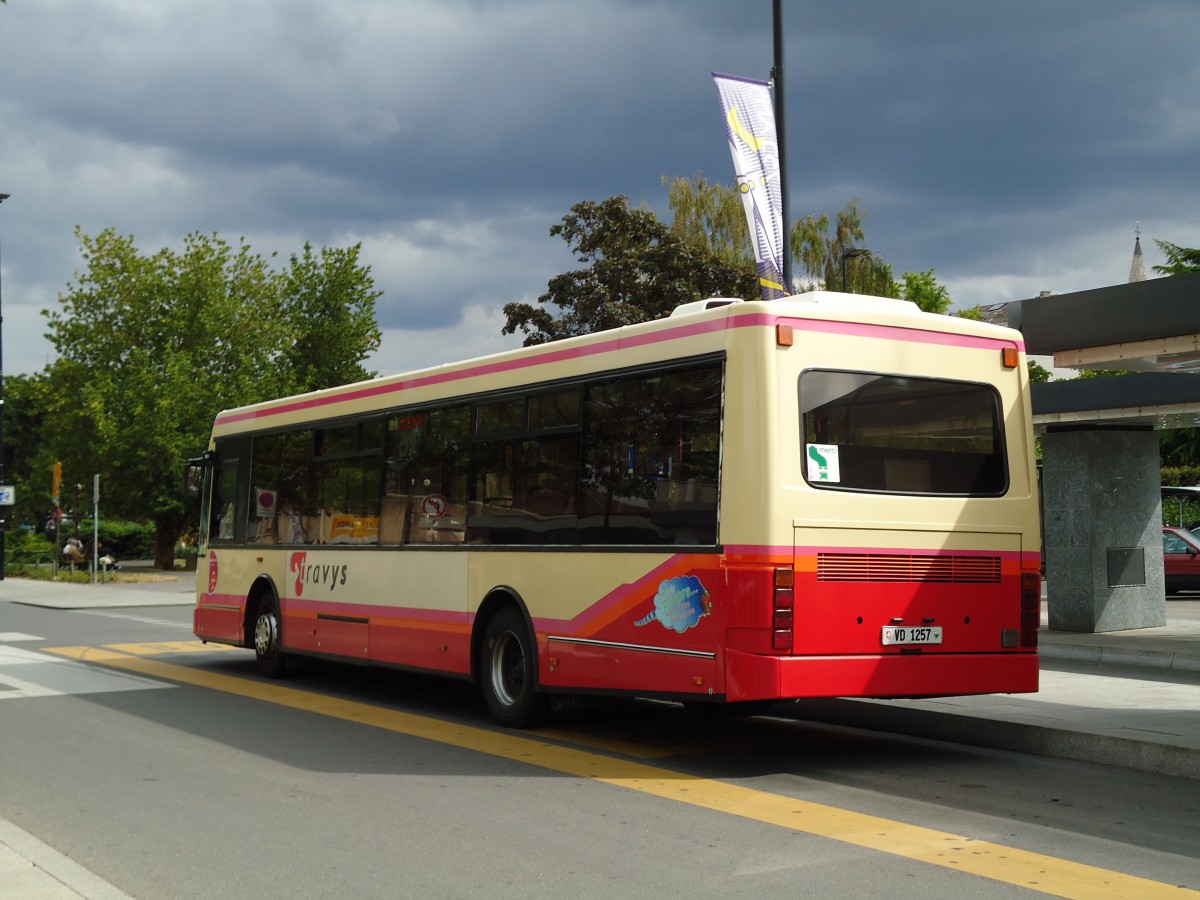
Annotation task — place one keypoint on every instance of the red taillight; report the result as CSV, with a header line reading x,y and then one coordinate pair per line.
x,y
1031,608
783,617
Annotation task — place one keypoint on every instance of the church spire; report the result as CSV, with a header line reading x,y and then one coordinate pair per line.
x,y
1137,269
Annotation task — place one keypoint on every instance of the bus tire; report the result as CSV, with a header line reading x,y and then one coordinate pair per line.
x,y
507,670
268,652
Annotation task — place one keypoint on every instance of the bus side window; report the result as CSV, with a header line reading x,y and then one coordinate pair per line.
x,y
651,454
425,477
281,488
224,494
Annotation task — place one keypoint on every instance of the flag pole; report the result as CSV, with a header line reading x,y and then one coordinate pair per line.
x,y
781,138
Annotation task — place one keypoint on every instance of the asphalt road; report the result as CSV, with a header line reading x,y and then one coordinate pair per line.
x,y
172,772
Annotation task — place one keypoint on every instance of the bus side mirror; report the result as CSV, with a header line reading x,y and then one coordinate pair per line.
x,y
193,476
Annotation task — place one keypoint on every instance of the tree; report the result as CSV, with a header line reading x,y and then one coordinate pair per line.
x,y
711,216
1038,374
819,251
150,348
27,459
925,291
329,318
636,270
1179,259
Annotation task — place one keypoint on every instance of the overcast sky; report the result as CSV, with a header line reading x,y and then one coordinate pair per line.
x,y
1012,146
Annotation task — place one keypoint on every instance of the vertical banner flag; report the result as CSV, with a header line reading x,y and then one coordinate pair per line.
x,y
750,124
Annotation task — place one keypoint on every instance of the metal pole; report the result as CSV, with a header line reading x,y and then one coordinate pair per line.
x,y
3,514
851,253
781,138
95,527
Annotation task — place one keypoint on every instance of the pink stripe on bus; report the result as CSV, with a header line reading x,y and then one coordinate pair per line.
x,y
623,342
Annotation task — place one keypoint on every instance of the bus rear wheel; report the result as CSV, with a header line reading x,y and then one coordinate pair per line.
x,y
268,653
507,669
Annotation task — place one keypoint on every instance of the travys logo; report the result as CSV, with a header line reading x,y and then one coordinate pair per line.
x,y
333,576
212,571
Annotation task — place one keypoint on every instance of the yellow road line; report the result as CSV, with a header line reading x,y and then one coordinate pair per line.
x,y
1010,865
158,648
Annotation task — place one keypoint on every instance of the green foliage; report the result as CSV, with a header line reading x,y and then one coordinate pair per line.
x,y
1103,373
818,245
710,216
1180,450
25,548
1174,475
329,306
1038,374
635,270
974,313
125,540
151,347
27,458
1179,259
923,289
1182,511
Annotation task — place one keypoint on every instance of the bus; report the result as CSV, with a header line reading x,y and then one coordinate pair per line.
x,y
828,495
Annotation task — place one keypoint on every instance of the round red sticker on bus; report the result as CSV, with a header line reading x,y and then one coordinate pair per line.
x,y
212,570
434,505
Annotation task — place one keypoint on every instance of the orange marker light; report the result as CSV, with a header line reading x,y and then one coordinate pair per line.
x,y
1009,357
783,335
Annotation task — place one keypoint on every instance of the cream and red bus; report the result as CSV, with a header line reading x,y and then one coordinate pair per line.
x,y
827,495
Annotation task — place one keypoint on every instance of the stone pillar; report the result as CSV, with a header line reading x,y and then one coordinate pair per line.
x,y
1101,522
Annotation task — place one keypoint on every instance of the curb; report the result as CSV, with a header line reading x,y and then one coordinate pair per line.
x,y
977,731
1154,659
38,870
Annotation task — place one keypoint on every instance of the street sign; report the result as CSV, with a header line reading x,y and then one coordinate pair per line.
x,y
8,495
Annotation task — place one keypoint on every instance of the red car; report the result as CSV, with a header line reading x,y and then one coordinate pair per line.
x,y
1181,560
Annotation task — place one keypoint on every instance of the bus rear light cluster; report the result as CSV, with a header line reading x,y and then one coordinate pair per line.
x,y
1031,608
784,610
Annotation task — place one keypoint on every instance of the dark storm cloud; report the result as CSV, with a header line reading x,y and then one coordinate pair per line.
x,y
1011,146
977,124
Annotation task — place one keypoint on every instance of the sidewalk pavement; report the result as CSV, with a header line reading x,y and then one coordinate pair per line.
x,y
1123,698
171,589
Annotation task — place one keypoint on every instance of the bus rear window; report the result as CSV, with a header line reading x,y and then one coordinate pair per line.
x,y
894,434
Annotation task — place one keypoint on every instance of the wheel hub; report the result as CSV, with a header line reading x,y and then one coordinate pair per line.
x,y
266,632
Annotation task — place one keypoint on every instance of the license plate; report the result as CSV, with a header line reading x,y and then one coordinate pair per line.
x,y
906,634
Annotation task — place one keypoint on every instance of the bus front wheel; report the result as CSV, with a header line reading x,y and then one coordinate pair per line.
x,y
268,653
507,668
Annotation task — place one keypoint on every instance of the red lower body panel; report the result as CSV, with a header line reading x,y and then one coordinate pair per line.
x,y
218,623
578,666
751,676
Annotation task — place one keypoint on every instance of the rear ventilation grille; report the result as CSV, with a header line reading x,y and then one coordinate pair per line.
x,y
902,567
